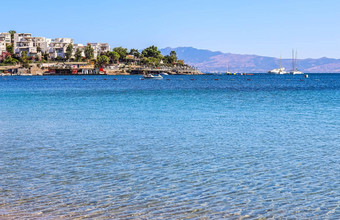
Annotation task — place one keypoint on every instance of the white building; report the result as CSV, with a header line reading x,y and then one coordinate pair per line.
x,y
2,49
81,47
43,43
33,45
99,48
24,42
58,47
38,45
5,37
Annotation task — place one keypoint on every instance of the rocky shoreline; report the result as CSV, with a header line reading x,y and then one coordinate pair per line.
x,y
83,68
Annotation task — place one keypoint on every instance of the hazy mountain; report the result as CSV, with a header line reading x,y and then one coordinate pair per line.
x,y
210,61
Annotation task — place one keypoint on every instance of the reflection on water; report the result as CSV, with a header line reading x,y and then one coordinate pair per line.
x,y
267,147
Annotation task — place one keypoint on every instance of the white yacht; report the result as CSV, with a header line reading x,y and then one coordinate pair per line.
x,y
294,64
280,70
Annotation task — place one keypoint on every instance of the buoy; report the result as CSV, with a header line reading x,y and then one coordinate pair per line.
x,y
114,79
45,79
216,79
306,75
84,79
104,79
192,79
167,79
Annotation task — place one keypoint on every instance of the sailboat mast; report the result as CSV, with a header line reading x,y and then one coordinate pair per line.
x,y
296,59
293,61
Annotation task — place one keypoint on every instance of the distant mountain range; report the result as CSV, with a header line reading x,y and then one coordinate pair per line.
x,y
210,61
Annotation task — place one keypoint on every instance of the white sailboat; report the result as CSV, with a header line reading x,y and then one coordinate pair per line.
x,y
294,64
280,70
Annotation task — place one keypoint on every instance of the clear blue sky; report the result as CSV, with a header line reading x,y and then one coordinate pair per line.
x,y
262,27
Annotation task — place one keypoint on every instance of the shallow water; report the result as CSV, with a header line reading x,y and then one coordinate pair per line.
x,y
262,146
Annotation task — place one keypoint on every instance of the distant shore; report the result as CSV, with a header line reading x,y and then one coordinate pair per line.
x,y
84,68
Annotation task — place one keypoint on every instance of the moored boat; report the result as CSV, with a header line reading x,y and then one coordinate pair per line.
x,y
150,76
294,64
280,70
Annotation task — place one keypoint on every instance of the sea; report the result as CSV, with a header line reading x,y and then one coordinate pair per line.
x,y
185,147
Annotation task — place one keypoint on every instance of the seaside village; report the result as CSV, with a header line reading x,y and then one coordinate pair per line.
x,y
24,54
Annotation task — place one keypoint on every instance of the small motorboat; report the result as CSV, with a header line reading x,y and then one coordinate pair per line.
x,y
150,76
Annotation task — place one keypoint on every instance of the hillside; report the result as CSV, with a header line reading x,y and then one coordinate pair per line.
x,y
210,61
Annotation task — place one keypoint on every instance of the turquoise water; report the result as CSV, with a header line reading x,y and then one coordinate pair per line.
x,y
262,146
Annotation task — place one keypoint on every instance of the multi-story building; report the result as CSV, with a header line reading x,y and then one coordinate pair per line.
x,y
24,42
81,47
2,49
58,47
5,37
37,45
42,43
99,48
33,45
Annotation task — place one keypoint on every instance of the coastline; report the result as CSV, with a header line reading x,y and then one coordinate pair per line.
x,y
83,68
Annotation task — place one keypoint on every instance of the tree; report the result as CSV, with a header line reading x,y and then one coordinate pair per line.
x,y
135,53
121,51
9,48
167,59
173,56
10,60
12,32
24,59
38,49
171,59
59,58
180,62
102,60
46,56
89,52
152,52
114,56
153,61
78,55
69,51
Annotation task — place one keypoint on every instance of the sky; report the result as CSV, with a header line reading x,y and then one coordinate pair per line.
x,y
262,27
